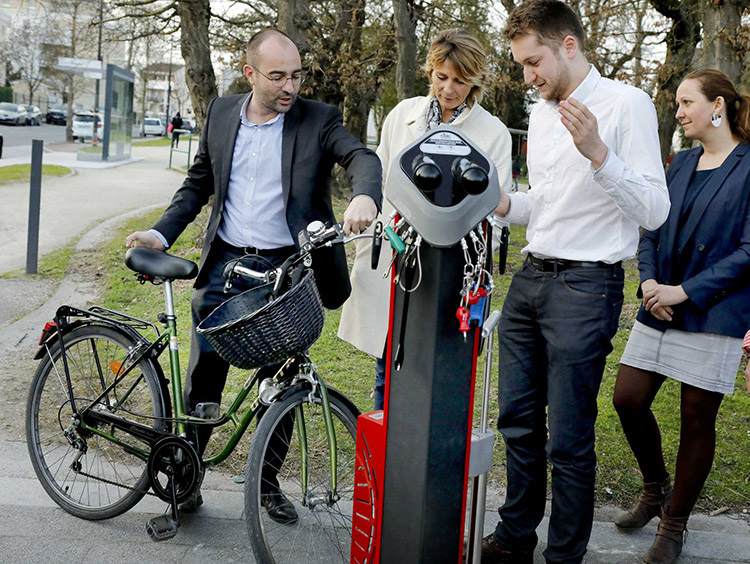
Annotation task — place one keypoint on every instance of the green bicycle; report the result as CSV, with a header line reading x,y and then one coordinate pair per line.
x,y
103,430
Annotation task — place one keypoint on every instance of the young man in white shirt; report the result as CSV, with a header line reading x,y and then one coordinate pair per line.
x,y
594,163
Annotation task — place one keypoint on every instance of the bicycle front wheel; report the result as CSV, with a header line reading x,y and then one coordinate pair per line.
x,y
322,530
87,474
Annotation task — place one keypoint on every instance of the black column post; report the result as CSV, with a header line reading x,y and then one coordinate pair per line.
x,y
32,244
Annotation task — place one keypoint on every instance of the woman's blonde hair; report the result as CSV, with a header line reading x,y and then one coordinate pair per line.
x,y
467,56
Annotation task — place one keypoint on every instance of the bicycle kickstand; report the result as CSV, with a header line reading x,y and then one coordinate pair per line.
x,y
164,527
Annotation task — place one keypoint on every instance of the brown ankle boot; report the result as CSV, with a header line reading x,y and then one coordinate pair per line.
x,y
670,536
648,506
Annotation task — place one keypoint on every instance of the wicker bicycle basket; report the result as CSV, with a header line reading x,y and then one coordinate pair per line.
x,y
249,331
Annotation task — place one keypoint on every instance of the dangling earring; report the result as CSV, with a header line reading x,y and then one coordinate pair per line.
x,y
715,120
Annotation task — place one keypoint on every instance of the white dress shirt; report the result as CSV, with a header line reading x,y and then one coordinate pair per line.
x,y
254,213
575,212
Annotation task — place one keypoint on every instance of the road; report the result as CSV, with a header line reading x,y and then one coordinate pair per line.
x,y
17,136
21,136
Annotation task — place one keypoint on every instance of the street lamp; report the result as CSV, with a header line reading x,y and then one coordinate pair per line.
x,y
169,86
98,80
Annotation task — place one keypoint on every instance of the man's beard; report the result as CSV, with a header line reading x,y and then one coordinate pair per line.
x,y
277,106
559,85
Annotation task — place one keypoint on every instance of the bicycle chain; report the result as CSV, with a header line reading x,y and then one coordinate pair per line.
x,y
112,482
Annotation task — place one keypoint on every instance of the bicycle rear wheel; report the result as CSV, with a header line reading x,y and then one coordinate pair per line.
x,y
84,473
322,531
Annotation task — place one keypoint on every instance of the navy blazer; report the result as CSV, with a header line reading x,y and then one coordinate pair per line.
x,y
714,244
313,140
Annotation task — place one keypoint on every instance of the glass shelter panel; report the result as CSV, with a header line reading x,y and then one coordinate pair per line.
x,y
118,119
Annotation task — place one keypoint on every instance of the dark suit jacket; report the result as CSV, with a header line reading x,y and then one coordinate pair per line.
x,y
313,139
714,244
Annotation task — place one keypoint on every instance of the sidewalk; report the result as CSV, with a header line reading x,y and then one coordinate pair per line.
x,y
72,204
36,531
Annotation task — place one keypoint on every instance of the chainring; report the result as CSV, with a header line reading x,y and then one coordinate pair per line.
x,y
174,457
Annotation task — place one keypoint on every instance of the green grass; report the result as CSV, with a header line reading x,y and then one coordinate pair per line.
x,y
98,149
53,265
156,142
163,141
352,372
22,172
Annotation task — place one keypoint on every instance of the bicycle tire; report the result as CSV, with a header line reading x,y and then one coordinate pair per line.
x,y
322,533
88,491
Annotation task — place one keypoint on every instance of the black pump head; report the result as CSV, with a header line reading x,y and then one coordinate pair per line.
x,y
427,175
470,176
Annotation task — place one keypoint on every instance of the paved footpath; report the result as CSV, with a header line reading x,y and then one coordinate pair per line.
x,y
35,530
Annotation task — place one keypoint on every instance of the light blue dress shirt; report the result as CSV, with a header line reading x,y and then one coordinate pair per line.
x,y
254,213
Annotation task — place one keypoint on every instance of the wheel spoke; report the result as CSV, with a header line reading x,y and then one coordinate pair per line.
x,y
109,480
322,531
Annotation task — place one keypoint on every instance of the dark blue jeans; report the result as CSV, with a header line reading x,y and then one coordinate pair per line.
x,y
379,390
554,337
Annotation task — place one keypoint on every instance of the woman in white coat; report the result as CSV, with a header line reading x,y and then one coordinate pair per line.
x,y
456,67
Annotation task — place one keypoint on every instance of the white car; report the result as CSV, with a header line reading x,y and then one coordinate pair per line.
x,y
12,114
83,126
153,126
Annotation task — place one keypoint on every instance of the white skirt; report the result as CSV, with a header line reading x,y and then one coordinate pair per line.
x,y
704,360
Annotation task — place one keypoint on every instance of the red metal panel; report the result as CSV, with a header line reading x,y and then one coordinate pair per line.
x,y
368,488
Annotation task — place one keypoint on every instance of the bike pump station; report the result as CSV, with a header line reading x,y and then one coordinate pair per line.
x,y
413,458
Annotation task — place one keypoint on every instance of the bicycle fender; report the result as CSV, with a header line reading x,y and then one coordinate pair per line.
x,y
68,327
155,365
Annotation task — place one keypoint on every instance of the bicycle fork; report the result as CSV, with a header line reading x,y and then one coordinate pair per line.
x,y
312,499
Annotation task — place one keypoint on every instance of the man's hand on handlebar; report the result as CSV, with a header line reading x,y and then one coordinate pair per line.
x,y
144,239
360,213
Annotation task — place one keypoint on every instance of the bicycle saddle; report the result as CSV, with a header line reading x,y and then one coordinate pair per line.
x,y
160,264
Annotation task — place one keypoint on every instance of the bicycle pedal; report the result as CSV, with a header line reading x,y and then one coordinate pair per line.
x,y
161,528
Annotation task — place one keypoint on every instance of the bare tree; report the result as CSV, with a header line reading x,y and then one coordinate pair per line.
x,y
24,51
721,32
405,27
294,20
70,29
192,19
681,40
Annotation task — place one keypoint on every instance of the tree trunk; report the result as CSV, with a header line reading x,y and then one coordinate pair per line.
x,y
294,20
721,30
196,51
358,96
681,41
405,26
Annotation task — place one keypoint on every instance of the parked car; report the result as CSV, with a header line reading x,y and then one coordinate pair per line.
x,y
83,126
153,126
189,124
12,114
57,115
33,115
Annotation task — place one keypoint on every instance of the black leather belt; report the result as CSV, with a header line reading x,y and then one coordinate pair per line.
x,y
558,265
282,251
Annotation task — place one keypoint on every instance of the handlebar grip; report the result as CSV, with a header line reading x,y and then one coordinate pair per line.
x,y
377,244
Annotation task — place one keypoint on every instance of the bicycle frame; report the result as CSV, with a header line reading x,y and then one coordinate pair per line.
x,y
90,419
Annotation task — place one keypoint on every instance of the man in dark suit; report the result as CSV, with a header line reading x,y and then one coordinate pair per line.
x,y
266,157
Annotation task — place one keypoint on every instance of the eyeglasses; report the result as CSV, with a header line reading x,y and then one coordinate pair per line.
x,y
297,78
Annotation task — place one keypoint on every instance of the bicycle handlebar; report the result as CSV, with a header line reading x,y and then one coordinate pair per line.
x,y
315,236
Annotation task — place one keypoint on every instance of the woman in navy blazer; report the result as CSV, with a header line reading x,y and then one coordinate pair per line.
x,y
696,306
